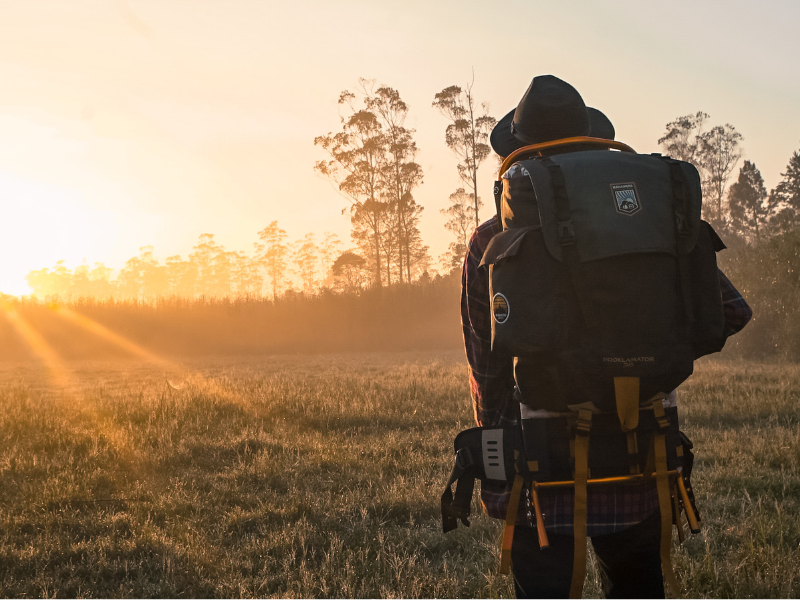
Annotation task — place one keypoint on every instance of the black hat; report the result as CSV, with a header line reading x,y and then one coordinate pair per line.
x,y
599,125
551,109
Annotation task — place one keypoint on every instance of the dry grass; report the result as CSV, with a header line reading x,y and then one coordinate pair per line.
x,y
321,476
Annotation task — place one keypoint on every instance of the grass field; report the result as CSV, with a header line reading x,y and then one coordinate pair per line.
x,y
321,476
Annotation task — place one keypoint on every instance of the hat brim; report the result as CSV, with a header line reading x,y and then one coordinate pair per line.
x,y
504,142
502,139
600,125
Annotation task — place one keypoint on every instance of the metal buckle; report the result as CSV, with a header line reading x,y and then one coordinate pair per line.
x,y
682,224
566,233
584,425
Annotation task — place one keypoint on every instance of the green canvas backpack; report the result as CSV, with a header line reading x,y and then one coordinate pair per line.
x,y
603,270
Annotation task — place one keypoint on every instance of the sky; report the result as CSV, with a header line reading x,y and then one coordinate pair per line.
x,y
130,123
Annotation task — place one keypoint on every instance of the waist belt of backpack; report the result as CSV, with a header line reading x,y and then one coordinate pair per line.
x,y
491,454
482,453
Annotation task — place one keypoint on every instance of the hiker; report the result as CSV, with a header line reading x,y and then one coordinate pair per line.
x,y
623,520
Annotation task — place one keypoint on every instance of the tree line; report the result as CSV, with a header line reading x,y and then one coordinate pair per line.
x,y
744,209
275,266
371,160
760,227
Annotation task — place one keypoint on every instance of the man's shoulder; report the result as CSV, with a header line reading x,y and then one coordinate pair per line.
x,y
483,233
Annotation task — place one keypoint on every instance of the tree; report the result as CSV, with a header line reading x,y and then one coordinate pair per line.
x,y
306,259
273,256
467,135
182,277
719,155
400,175
683,139
155,282
142,278
328,253
349,271
461,214
356,165
785,198
213,266
747,201
51,283
419,259
715,153
246,273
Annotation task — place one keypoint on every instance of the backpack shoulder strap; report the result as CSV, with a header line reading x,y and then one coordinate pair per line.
x,y
685,229
566,240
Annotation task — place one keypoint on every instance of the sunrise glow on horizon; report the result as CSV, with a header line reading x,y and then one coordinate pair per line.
x,y
137,123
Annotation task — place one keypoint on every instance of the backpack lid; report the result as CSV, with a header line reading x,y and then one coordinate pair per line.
x,y
620,203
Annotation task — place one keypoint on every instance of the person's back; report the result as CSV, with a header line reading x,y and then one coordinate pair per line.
x,y
623,520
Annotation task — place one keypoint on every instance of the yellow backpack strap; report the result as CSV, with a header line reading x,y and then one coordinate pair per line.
x,y
664,496
511,521
543,541
626,391
676,512
694,525
579,515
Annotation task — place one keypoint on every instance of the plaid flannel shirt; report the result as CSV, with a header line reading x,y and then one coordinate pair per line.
x,y
612,508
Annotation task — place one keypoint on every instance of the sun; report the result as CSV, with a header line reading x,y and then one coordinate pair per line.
x,y
39,223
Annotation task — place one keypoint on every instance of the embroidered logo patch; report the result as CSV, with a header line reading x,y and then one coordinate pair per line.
x,y
626,200
500,308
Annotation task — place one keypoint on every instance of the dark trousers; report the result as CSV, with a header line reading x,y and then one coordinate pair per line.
x,y
629,562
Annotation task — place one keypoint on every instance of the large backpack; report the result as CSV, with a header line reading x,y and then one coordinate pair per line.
x,y
604,290
603,270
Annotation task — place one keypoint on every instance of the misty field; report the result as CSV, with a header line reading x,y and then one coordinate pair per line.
x,y
320,476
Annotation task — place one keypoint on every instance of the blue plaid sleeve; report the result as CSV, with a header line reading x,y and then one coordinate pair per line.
x,y
491,377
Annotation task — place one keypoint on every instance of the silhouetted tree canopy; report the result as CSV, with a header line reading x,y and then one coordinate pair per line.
x,y
467,135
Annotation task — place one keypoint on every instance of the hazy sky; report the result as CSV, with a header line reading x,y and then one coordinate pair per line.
x,y
132,123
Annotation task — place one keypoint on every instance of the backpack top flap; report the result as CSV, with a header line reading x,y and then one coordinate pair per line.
x,y
620,203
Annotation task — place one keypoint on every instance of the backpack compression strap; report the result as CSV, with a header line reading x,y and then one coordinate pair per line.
x,y
680,200
580,508
511,522
664,499
566,237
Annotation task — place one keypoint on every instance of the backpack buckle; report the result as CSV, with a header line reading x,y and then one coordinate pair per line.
x,y
566,233
584,425
682,224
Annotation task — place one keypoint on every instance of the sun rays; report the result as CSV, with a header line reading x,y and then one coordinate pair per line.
x,y
70,399
38,346
84,410
177,376
90,413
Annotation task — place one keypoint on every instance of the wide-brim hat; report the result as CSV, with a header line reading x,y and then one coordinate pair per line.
x,y
551,109
600,126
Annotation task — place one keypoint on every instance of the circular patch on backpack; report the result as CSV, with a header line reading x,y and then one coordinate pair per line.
x,y
500,308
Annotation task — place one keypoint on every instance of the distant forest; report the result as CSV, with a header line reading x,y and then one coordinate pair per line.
x,y
371,161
